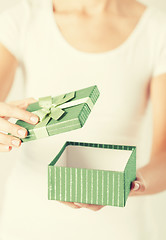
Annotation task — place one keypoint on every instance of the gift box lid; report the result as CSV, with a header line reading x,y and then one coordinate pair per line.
x,y
75,112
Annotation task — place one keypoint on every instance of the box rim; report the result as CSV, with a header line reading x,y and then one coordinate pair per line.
x,y
74,143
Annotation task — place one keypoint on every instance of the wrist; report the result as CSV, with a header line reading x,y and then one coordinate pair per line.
x,y
150,179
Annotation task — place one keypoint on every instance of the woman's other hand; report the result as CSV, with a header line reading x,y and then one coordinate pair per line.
x,y
14,110
76,205
138,186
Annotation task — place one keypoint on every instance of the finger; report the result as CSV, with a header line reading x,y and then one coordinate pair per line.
x,y
69,204
9,140
15,112
5,148
23,103
93,207
137,187
13,129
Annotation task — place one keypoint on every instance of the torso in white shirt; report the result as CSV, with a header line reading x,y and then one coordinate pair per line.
x,y
52,66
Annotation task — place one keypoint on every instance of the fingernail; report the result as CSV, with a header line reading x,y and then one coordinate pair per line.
x,y
22,132
16,143
77,204
8,148
136,186
34,119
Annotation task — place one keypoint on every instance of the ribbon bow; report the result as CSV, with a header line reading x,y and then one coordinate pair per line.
x,y
51,108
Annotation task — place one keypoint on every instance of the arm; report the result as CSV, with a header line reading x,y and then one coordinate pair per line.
x,y
152,177
8,65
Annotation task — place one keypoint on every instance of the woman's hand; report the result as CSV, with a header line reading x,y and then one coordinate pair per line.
x,y
138,186
75,205
14,110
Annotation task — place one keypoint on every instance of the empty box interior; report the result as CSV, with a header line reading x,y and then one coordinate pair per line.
x,y
94,158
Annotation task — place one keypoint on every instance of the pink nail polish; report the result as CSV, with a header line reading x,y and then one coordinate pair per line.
x,y
22,132
8,148
34,119
16,143
136,186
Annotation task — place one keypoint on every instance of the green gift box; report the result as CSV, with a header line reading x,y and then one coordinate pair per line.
x,y
60,114
92,173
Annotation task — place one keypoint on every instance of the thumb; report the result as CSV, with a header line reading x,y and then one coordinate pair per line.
x,y
137,187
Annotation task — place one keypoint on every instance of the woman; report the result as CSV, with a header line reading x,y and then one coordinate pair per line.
x,y
65,45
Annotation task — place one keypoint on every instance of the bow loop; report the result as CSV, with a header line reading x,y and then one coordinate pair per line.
x,y
51,108
45,102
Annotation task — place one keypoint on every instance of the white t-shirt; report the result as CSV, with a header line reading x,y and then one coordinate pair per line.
x,y
51,66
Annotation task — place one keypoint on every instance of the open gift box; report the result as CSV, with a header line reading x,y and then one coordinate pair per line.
x,y
92,173
61,113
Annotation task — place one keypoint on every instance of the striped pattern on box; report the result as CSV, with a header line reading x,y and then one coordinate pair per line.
x,y
89,185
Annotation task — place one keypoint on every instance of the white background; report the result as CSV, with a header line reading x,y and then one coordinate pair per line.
x,y
7,160
158,3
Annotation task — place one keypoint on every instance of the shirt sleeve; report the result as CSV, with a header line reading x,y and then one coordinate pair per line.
x,y
12,25
160,56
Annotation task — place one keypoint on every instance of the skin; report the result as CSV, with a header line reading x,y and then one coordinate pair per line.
x,y
97,26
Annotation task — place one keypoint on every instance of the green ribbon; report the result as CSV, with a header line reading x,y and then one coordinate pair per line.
x,y
50,110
